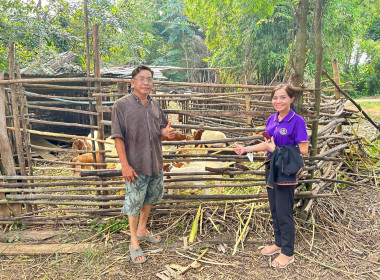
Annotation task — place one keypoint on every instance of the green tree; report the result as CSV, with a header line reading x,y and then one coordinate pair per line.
x,y
178,42
41,33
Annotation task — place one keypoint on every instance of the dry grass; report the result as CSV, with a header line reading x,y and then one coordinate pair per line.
x,y
370,105
341,243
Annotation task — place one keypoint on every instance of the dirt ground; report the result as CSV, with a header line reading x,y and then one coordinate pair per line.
x,y
344,243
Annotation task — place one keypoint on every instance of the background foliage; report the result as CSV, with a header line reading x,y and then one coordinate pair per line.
x,y
256,38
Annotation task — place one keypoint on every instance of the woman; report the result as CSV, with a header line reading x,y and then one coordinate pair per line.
x,y
288,134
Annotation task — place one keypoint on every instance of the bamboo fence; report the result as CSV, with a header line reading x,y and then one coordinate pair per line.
x,y
49,187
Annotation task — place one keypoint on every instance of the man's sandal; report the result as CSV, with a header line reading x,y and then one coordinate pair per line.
x,y
136,253
276,264
150,237
270,254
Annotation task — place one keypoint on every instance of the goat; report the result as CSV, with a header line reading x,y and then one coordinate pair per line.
x,y
84,158
214,135
81,145
88,158
195,166
205,135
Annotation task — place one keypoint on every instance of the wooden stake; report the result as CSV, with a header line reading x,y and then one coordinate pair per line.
x,y
194,263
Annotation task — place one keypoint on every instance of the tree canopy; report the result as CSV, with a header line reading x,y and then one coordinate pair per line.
x,y
256,38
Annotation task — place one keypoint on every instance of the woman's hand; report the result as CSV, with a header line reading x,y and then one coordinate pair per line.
x,y
270,146
239,149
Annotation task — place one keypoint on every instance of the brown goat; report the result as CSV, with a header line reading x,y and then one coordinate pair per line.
x,y
81,145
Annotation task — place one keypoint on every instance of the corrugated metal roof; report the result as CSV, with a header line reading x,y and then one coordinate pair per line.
x,y
126,71
56,65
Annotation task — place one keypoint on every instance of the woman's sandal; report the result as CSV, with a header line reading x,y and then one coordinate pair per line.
x,y
136,253
150,237
276,264
270,254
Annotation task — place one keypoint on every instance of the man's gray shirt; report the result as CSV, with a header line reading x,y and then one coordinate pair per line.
x,y
140,128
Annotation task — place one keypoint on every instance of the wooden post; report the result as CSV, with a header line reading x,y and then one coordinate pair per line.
x,y
87,39
317,98
16,209
24,123
25,135
5,147
337,81
99,99
122,88
247,104
98,88
16,112
91,106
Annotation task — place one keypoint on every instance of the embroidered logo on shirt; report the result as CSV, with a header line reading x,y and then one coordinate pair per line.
x,y
283,131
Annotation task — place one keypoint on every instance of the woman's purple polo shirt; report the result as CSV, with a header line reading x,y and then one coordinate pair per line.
x,y
290,131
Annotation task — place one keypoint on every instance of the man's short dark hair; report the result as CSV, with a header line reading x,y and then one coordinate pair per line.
x,y
140,68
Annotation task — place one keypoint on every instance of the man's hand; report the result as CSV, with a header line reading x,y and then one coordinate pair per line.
x,y
168,131
129,174
239,149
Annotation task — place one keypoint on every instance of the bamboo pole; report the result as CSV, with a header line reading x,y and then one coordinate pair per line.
x,y
16,209
117,172
67,162
24,122
62,110
46,187
62,123
16,112
353,101
180,157
59,97
72,184
99,99
96,53
25,135
88,72
66,150
102,200
26,85
337,81
49,178
61,135
227,140
219,113
247,105
226,129
332,124
317,93
116,80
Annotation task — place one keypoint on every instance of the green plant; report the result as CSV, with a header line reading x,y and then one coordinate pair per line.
x,y
112,224
12,240
341,186
180,225
18,226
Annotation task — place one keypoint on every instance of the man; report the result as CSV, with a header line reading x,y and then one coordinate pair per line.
x,y
138,123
